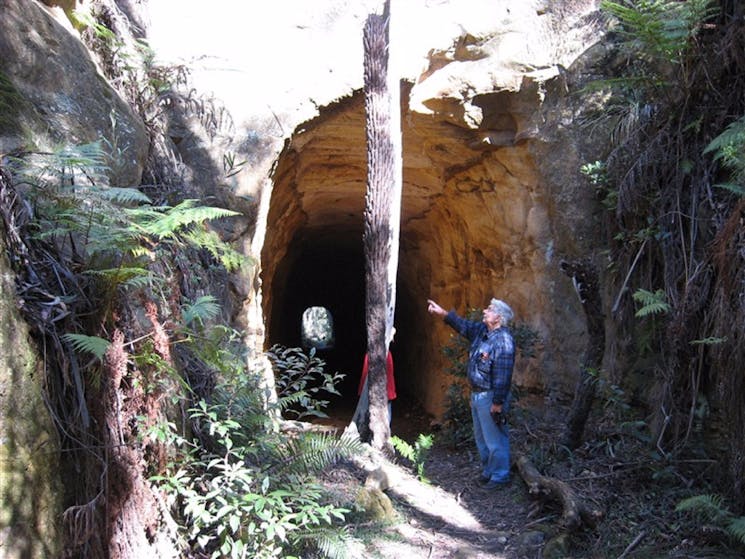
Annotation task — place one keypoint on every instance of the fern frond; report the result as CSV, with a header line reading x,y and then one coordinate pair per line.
x,y
734,188
88,344
204,308
652,303
120,195
333,542
64,169
710,506
660,28
141,281
733,135
736,528
121,275
403,447
709,341
230,258
313,452
166,222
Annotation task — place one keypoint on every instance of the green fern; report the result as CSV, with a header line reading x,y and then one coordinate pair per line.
x,y
311,453
137,276
709,341
416,453
122,195
712,509
88,344
333,542
204,308
165,222
652,303
660,29
729,149
733,188
736,528
220,250
62,170
710,506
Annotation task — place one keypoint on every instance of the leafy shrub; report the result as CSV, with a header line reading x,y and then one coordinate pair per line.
x,y
243,488
300,380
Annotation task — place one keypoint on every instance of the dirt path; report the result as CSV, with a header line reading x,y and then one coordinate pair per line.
x,y
615,473
453,516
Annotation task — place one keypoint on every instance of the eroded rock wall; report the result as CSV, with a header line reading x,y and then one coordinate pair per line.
x,y
53,93
493,198
30,491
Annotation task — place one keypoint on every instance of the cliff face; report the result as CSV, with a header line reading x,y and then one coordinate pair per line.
x,y
30,492
51,94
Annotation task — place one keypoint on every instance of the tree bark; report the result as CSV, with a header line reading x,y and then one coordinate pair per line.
x,y
382,218
585,279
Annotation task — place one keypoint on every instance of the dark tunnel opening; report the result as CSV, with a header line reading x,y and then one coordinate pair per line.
x,y
330,272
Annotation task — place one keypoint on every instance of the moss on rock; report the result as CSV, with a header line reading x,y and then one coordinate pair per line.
x,y
30,507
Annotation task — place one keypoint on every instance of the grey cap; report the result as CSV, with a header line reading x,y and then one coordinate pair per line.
x,y
503,310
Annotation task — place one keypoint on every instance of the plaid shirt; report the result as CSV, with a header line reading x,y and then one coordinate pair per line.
x,y
491,356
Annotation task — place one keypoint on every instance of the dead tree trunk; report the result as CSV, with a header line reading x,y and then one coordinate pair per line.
x,y
585,279
382,218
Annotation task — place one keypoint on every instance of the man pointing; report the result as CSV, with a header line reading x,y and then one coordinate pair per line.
x,y
490,362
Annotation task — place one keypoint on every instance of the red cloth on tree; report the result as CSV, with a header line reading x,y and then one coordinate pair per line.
x,y
389,376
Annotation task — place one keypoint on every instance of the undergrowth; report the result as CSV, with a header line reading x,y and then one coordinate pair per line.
x,y
243,488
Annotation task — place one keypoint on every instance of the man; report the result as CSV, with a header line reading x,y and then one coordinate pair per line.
x,y
490,363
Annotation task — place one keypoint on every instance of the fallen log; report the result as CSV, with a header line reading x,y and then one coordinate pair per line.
x,y
576,513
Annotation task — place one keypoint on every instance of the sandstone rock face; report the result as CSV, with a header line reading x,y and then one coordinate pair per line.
x,y
51,95
30,491
56,95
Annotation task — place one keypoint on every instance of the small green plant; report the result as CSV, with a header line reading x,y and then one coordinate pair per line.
x,y
230,166
240,487
660,30
300,380
729,149
651,303
416,453
597,174
710,508
88,344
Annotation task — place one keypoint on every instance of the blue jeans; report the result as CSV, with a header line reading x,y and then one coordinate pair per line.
x,y
492,442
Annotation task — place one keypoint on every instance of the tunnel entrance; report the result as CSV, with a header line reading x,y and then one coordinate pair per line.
x,y
474,222
327,269
330,275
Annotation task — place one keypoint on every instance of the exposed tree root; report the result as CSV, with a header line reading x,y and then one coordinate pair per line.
x,y
576,513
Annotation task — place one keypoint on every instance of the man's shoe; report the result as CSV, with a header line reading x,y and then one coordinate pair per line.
x,y
495,484
483,480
